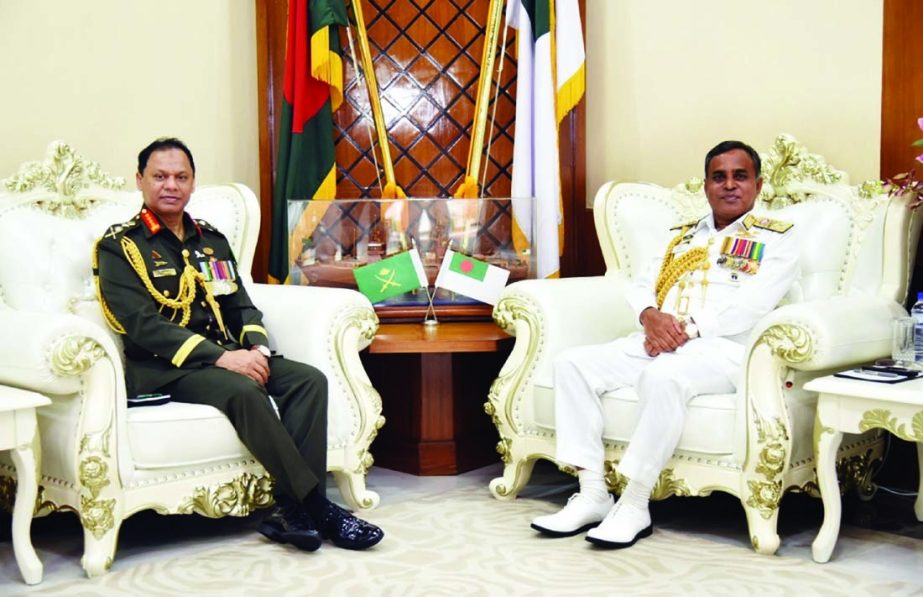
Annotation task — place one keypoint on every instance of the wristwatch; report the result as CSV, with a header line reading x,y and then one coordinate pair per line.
x,y
690,328
263,350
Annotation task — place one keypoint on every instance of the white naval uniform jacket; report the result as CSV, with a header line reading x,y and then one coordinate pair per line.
x,y
732,301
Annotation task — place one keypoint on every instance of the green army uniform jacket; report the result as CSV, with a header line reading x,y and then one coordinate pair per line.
x,y
141,268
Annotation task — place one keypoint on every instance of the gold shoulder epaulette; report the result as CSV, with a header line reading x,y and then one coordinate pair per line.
x,y
765,223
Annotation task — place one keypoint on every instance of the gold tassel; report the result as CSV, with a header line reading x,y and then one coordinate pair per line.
x,y
468,189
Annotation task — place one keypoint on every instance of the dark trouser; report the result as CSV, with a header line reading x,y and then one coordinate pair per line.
x,y
293,450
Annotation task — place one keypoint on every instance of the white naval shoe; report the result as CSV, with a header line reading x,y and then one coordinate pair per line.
x,y
579,514
622,527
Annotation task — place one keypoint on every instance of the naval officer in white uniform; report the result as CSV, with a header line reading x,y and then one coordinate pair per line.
x,y
697,305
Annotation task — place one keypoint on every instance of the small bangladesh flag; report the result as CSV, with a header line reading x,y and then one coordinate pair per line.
x,y
392,276
471,277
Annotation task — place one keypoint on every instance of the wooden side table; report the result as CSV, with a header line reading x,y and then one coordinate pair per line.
x,y
854,406
18,432
434,382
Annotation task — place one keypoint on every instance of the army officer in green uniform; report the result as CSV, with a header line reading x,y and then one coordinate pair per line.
x,y
169,285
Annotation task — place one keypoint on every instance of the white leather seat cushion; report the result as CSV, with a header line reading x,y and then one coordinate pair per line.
x,y
710,419
180,434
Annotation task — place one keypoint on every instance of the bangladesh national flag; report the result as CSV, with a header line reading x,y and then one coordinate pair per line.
x,y
392,276
472,277
305,163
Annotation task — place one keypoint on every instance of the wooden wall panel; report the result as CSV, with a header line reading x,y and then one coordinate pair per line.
x,y
902,85
902,99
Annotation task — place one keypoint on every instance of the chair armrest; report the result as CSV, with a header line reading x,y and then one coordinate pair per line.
x,y
48,352
835,332
547,316
303,320
78,364
813,337
327,328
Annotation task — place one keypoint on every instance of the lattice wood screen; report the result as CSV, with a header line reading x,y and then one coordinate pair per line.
x,y
427,57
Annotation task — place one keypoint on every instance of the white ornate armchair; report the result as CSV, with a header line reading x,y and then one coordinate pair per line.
x,y
755,444
104,461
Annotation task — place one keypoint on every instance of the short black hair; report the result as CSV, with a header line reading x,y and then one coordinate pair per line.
x,y
162,144
726,146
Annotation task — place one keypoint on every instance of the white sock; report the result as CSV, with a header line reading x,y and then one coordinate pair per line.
x,y
593,485
637,495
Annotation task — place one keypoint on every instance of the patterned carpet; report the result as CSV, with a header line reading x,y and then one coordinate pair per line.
x,y
464,542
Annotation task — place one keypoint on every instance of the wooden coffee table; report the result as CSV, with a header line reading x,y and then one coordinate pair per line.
x,y
433,383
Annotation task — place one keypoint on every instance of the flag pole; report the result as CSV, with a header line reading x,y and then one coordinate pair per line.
x,y
469,187
391,190
429,323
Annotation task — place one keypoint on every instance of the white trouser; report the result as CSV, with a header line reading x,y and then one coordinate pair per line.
x,y
664,385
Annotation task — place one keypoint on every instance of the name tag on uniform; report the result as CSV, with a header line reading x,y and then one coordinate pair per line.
x,y
167,271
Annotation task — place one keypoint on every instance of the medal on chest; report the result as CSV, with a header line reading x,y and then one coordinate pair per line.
x,y
741,254
219,276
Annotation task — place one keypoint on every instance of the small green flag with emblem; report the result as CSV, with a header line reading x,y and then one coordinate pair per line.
x,y
392,276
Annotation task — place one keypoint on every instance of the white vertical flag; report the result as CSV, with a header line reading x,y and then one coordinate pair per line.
x,y
550,82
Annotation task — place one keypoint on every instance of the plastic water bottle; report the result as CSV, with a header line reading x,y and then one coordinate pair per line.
x,y
917,313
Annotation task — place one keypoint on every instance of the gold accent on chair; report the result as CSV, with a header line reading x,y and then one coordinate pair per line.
x,y
65,173
8,494
667,484
766,494
238,497
74,355
787,166
506,315
96,516
791,343
854,472
95,474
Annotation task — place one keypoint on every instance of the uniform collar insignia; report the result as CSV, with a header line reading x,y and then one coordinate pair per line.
x,y
150,221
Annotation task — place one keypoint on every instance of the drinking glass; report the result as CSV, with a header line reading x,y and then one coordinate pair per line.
x,y
902,341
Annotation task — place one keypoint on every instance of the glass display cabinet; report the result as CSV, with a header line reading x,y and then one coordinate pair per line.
x,y
328,240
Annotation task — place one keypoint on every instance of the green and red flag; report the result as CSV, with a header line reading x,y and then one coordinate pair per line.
x,y
472,277
305,163
391,276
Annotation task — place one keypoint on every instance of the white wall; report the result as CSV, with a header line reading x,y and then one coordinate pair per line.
x,y
109,76
668,79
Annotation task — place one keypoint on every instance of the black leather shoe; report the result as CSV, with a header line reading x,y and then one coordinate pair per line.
x,y
347,531
290,524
